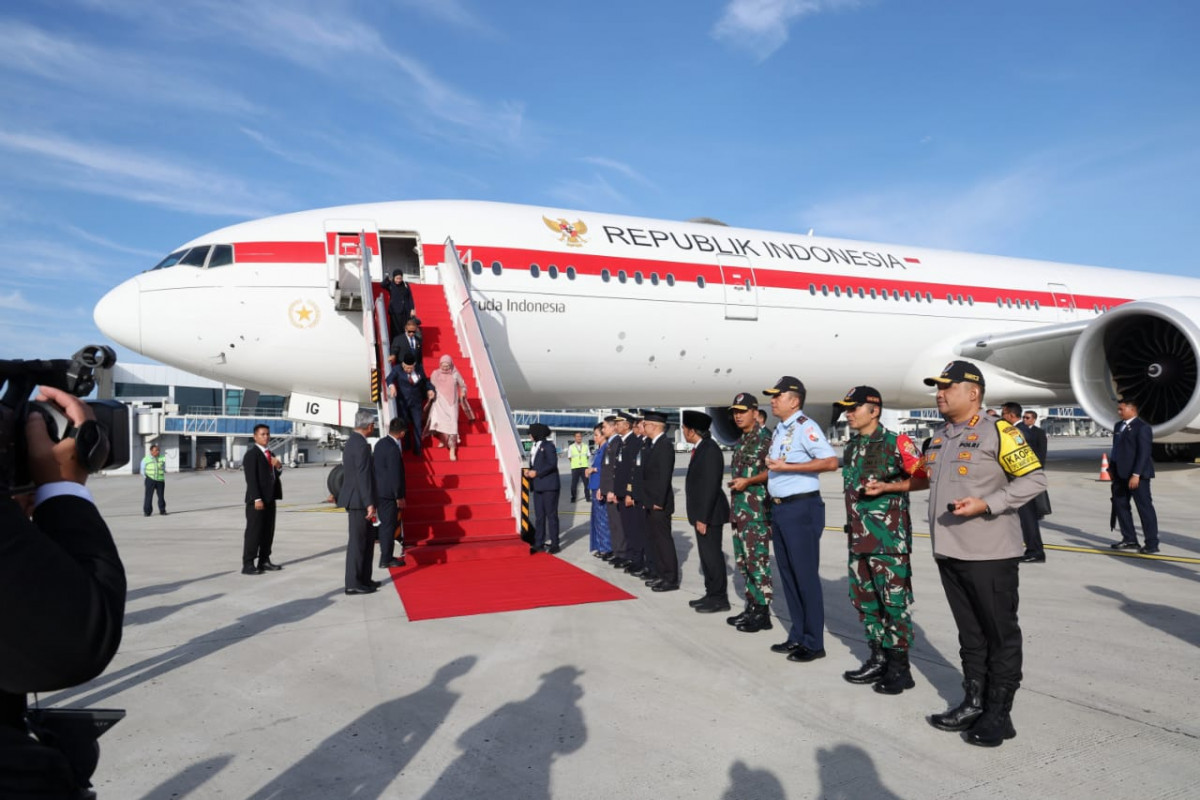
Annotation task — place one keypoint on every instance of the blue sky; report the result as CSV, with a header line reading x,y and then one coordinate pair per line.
x,y
1061,129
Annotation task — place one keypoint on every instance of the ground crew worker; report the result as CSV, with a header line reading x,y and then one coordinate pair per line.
x,y
580,458
981,471
154,470
877,466
749,514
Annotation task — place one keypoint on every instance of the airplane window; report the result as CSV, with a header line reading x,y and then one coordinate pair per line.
x,y
907,296
621,276
496,268
605,275
824,290
477,267
970,300
170,260
960,300
861,293
670,279
872,294
654,278
222,256
195,257
570,273
534,270
999,302
747,284
1037,305
552,271
700,281
895,294
837,291
637,277
812,289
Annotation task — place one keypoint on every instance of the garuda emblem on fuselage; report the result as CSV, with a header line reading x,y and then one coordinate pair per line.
x,y
569,232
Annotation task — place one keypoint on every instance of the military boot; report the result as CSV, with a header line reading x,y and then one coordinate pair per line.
x,y
871,669
759,619
995,724
897,677
736,618
965,713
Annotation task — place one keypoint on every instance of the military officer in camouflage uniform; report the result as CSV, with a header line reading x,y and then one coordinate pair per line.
x,y
877,467
749,514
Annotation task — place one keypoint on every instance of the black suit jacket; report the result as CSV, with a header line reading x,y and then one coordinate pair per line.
x,y
263,482
545,463
401,348
623,474
1131,450
706,501
608,469
410,394
358,470
658,464
389,469
62,588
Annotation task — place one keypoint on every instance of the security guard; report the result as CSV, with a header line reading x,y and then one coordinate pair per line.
x,y
580,456
981,471
799,452
608,484
750,515
877,467
154,470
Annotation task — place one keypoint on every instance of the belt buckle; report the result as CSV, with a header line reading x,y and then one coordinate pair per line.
x,y
776,501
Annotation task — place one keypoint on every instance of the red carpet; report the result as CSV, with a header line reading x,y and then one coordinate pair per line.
x,y
457,588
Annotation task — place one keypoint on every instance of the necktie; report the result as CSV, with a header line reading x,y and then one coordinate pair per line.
x,y
268,452
412,343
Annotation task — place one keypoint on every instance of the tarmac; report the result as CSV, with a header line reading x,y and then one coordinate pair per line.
x,y
280,686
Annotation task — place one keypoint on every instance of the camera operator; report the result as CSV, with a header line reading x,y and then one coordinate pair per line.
x,y
62,591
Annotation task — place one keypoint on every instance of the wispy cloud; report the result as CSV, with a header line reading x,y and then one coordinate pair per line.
x,y
452,12
108,243
15,301
620,168
161,78
133,175
760,27
596,193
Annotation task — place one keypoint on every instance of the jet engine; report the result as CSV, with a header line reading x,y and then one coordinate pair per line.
x,y
723,429
1146,350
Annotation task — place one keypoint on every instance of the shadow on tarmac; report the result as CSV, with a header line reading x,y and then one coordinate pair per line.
x,y
191,778
377,746
848,773
147,615
752,784
1183,625
510,752
194,649
167,588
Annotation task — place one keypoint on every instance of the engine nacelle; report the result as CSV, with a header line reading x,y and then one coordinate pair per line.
x,y
1147,350
723,429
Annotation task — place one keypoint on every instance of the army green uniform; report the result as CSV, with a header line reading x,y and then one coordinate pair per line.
x,y
750,516
880,535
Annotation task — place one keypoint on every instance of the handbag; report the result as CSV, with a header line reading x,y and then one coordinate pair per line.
x,y
1041,505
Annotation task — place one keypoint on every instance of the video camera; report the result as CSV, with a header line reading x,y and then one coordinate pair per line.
x,y
102,443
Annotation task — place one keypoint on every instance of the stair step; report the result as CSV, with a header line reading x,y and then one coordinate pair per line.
x,y
459,530
479,480
456,512
508,547
436,454
428,496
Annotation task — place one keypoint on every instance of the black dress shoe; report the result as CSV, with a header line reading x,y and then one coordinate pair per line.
x,y
1033,558
1147,551
162,513
251,570
376,584
553,549
652,582
146,514
699,601
267,566
533,550
803,654
606,556
663,586
785,647
1123,545
618,563
361,590
391,562
644,573
713,605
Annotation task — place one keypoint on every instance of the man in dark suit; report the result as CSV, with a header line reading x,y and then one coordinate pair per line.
x,y
407,342
412,390
389,482
632,518
62,587
1132,469
658,465
707,509
1031,531
358,498
543,474
264,485
608,471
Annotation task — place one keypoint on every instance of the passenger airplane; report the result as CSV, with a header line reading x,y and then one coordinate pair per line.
x,y
583,309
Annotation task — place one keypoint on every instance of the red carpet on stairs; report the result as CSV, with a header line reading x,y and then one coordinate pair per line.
x,y
487,585
460,536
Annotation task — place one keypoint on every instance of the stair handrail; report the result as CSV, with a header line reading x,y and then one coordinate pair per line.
x,y
496,409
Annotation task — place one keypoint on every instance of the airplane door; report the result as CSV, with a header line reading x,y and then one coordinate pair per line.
x,y
344,266
741,291
1064,301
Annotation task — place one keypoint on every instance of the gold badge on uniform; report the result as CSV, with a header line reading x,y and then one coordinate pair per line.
x,y
962,469
972,437
964,456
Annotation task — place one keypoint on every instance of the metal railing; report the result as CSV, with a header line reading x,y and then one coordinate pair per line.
x,y
491,392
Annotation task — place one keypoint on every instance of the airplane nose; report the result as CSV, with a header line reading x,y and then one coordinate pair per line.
x,y
119,315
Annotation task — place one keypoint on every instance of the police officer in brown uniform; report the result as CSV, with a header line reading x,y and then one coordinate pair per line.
x,y
981,471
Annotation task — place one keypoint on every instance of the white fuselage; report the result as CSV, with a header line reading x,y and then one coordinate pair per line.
x,y
625,320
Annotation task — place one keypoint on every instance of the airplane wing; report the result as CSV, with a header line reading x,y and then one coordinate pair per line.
x,y
1042,354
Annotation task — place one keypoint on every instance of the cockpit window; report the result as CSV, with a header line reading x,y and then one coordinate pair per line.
x,y
195,257
222,256
170,260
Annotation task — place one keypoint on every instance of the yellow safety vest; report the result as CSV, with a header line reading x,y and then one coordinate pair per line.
x,y
579,455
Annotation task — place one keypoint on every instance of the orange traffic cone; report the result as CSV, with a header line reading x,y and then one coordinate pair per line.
x,y
1104,469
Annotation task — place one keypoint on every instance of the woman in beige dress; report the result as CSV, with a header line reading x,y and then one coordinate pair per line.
x,y
443,414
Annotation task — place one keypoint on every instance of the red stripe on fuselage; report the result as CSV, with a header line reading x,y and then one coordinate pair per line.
x,y
281,252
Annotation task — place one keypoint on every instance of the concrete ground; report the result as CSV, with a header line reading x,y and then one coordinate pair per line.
x,y
279,686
